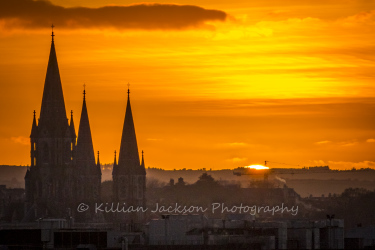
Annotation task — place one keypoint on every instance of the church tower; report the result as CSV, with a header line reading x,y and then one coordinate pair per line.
x,y
48,182
129,175
88,174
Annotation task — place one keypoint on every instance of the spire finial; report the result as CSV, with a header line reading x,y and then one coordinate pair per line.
x,y
128,89
84,91
142,153
98,159
34,113
71,113
115,160
52,26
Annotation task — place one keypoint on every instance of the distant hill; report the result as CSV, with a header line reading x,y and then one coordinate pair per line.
x,y
315,184
12,176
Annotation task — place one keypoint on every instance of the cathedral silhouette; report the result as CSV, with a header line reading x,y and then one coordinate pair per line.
x,y
63,171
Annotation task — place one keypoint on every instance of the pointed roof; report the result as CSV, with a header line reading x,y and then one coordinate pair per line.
x,y
143,160
85,148
52,112
98,165
72,128
128,162
143,168
114,169
27,175
34,128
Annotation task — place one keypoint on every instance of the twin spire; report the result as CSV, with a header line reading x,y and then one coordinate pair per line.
x,y
53,112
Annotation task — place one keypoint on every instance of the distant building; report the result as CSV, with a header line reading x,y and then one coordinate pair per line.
x,y
331,233
188,230
177,230
10,199
360,237
241,231
303,235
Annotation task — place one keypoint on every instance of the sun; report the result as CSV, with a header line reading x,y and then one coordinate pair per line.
x,y
258,167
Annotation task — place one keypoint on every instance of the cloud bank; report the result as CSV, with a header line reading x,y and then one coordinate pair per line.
x,y
39,14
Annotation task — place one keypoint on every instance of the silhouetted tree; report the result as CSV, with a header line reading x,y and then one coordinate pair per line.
x,y
181,182
206,178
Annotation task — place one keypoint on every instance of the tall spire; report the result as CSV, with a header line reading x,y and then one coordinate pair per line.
x,y
85,148
128,162
34,128
52,113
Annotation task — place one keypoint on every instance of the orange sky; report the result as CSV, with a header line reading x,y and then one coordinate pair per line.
x,y
214,85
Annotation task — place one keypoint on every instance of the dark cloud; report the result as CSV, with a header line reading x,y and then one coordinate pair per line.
x,y
39,14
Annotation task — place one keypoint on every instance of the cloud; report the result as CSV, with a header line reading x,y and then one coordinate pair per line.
x,y
322,142
349,165
40,14
319,163
21,140
348,143
233,144
370,140
365,17
237,159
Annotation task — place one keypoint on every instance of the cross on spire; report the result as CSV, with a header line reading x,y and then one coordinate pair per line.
x,y
52,26
98,163
128,89
34,113
71,113
84,91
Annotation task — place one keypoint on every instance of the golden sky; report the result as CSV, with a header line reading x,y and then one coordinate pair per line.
x,y
214,84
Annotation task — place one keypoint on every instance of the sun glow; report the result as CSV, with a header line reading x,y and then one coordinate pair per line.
x,y
258,167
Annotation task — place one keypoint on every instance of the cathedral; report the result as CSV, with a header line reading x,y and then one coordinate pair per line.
x,y
63,171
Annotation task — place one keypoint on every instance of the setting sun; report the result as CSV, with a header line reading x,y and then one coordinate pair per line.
x,y
258,167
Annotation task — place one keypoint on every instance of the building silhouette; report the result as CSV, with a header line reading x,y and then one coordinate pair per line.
x,y
129,174
63,171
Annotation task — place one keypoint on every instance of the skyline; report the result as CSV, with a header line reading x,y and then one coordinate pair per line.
x,y
290,83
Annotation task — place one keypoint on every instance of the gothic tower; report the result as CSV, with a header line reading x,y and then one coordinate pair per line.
x,y
129,175
88,174
48,182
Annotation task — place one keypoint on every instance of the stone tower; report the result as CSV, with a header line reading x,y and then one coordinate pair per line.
x,y
129,175
62,172
48,182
